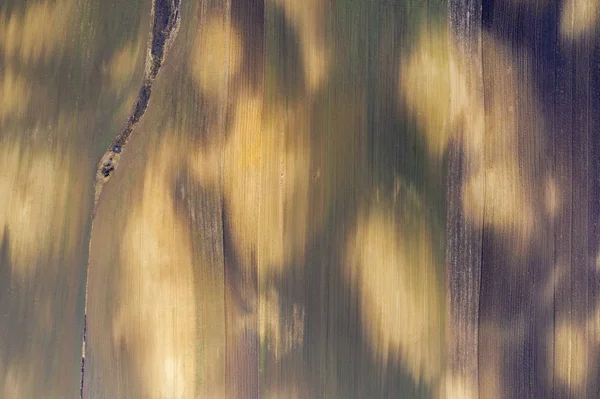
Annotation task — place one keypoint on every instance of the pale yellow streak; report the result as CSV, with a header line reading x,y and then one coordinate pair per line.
x,y
392,265
455,387
279,336
18,380
40,33
552,197
266,182
434,87
579,18
307,17
265,177
15,95
121,67
288,391
157,318
571,355
576,349
33,206
505,201
216,55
